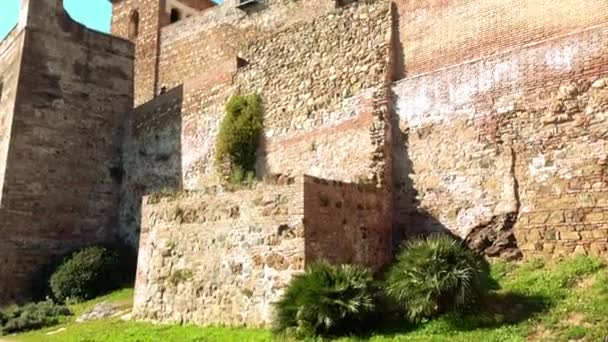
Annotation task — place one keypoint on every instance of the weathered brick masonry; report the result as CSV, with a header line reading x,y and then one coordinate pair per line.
x,y
68,90
517,140
10,63
483,118
475,83
171,140
439,33
323,85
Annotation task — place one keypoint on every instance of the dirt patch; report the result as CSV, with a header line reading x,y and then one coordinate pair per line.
x,y
586,283
540,333
575,319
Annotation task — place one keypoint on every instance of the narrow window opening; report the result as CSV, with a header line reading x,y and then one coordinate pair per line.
x,y
175,15
134,25
1,88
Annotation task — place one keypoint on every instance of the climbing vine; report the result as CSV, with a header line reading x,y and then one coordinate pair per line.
x,y
237,140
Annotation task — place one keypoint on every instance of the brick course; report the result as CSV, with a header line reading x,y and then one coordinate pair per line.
x,y
71,89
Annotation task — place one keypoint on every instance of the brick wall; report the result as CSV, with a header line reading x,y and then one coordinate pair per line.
x,y
61,184
439,33
151,17
299,137
208,41
219,256
347,223
321,83
10,63
514,140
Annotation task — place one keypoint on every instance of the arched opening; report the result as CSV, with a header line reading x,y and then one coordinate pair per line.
x,y
134,25
175,15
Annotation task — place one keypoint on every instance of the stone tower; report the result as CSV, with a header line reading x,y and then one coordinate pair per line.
x,y
66,90
140,21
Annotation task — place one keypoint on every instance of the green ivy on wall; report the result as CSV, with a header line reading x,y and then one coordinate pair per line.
x,y
238,137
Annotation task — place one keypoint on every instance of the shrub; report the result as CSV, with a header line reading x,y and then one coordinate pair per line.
x,y
91,272
325,300
238,136
15,319
437,274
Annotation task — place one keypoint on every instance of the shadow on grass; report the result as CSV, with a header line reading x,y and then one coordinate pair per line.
x,y
496,311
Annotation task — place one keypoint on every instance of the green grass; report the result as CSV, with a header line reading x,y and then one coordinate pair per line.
x,y
536,302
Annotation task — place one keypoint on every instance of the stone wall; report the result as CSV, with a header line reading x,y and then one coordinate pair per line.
x,y
299,137
10,64
151,156
512,142
63,168
149,16
347,223
219,256
322,82
212,39
223,256
440,33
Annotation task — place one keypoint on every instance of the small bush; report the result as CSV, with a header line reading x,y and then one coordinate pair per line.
x,y
325,300
91,272
238,136
435,275
15,319
180,276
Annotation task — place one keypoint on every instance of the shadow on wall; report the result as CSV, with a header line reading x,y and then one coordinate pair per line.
x,y
152,157
398,71
494,238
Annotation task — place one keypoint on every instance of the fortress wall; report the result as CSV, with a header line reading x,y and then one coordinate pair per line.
x,y
219,256
439,33
300,136
321,83
152,16
170,144
347,223
151,155
61,187
204,43
517,139
10,63
223,255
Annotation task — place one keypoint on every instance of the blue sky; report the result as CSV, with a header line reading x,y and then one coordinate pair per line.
x,y
95,14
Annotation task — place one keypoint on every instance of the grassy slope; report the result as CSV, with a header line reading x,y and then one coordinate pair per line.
x,y
559,302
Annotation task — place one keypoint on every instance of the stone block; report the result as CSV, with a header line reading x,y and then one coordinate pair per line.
x,y
599,233
569,236
580,250
597,248
594,217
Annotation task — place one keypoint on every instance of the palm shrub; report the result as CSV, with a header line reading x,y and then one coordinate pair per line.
x,y
436,274
325,300
32,316
92,271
